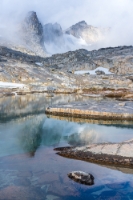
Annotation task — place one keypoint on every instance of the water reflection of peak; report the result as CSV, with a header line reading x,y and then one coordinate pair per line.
x,y
31,135
27,134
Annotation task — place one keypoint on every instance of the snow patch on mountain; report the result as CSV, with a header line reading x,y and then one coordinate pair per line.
x,y
93,72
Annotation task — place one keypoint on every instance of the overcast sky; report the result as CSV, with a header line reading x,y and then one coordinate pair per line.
x,y
117,14
68,12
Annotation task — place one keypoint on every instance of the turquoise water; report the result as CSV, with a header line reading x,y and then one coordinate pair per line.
x,y
31,169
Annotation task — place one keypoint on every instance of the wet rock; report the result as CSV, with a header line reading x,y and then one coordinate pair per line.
x,y
82,177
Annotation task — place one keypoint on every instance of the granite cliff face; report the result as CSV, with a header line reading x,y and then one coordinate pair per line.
x,y
33,28
32,33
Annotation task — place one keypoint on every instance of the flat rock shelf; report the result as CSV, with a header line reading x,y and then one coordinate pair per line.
x,y
117,154
110,110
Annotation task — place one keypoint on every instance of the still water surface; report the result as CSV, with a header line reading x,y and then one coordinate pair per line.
x,y
30,168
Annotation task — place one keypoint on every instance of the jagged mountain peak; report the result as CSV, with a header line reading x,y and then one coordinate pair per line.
x,y
51,38
80,24
31,33
88,33
33,26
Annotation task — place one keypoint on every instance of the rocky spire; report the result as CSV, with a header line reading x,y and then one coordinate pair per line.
x,y
32,33
33,26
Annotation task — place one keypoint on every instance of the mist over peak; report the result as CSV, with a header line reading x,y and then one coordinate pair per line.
x,y
89,33
77,26
52,32
69,25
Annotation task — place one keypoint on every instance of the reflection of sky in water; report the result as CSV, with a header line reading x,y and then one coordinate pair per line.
x,y
40,172
30,169
28,134
86,133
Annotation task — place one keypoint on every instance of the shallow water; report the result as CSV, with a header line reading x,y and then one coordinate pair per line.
x,y
30,169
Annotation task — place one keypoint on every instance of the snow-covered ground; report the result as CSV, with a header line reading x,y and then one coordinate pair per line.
x,y
11,85
93,72
39,64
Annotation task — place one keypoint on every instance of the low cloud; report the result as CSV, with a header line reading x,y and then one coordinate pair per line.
x,y
116,14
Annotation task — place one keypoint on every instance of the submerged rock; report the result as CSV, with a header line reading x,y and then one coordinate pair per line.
x,y
82,177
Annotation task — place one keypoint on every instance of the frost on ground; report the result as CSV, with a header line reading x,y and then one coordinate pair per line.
x,y
93,72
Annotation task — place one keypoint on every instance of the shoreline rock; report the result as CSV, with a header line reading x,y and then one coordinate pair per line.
x,y
104,109
108,153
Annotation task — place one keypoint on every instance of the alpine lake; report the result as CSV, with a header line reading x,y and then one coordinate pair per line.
x,y
30,169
